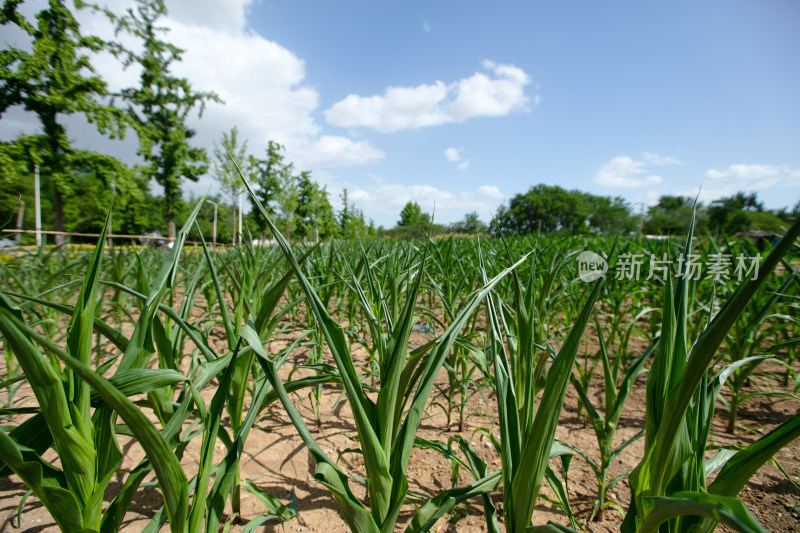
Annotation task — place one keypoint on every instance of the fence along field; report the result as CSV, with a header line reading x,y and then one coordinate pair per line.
x,y
191,357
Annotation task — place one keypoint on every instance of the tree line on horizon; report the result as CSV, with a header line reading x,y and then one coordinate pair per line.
x,y
552,209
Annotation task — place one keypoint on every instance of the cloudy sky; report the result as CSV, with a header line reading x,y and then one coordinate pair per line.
x,y
461,105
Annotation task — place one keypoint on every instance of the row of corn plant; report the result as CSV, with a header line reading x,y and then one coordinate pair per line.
x,y
77,407
386,427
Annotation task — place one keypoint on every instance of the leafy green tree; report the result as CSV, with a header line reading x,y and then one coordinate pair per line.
x,y
224,169
414,224
160,106
734,213
53,79
96,179
286,199
266,174
608,215
412,215
17,159
93,177
314,210
351,220
471,224
545,207
670,216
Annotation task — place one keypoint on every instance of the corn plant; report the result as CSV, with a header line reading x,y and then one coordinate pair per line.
x,y
616,388
466,364
761,320
85,441
527,434
525,322
669,485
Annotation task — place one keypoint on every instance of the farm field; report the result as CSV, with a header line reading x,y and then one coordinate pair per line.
x,y
460,384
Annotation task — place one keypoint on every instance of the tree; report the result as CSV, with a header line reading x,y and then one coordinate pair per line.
x,y
97,178
670,216
286,198
351,219
471,224
55,79
413,223
92,177
266,174
314,210
608,215
160,106
545,207
224,169
734,213
412,215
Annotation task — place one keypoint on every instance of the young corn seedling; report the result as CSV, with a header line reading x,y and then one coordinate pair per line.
x,y
762,319
450,280
84,440
526,435
669,485
605,423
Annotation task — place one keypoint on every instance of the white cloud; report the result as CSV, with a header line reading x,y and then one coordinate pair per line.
x,y
490,191
426,27
649,157
224,15
747,178
401,108
332,151
453,154
387,199
625,172
741,172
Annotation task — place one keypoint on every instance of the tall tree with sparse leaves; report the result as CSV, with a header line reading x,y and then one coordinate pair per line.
x,y
53,79
160,106
224,169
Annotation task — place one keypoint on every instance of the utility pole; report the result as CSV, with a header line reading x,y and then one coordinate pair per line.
x,y
641,218
20,218
37,202
111,214
214,226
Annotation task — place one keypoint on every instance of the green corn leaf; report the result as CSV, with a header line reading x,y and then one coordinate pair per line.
x,y
436,507
74,448
726,510
99,326
355,514
280,511
59,502
742,466
211,424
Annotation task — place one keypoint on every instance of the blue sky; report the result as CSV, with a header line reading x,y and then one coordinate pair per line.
x,y
464,104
